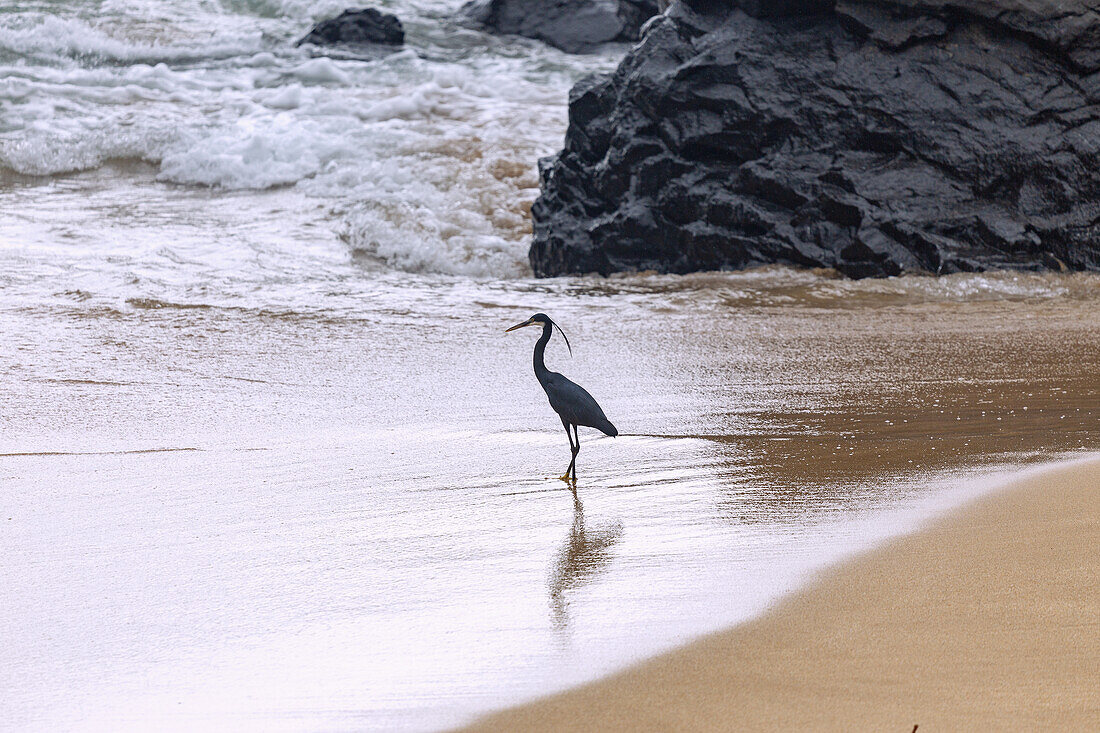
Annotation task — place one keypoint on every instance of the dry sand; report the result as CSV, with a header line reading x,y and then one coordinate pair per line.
x,y
987,620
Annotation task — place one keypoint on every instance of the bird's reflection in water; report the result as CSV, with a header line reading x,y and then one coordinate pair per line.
x,y
586,553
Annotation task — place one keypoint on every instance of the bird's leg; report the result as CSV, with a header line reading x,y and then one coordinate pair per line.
x,y
565,476
576,448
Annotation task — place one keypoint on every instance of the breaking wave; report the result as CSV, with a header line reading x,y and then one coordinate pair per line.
x,y
424,160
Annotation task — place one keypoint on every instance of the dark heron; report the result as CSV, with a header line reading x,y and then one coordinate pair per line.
x,y
574,406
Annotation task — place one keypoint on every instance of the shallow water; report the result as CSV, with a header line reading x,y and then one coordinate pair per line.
x,y
270,462
346,519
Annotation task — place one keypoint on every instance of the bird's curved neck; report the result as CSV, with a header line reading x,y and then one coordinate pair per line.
x,y
540,348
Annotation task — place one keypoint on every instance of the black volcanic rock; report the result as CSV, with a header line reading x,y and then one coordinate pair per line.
x,y
576,26
357,27
873,137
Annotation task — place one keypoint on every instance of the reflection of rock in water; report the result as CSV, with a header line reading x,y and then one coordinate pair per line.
x,y
585,553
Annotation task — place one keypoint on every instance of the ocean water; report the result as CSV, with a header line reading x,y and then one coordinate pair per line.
x,y
421,160
269,461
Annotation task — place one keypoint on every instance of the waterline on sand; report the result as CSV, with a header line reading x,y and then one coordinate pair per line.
x,y
985,617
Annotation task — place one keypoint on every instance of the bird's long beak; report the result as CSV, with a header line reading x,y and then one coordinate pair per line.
x,y
528,322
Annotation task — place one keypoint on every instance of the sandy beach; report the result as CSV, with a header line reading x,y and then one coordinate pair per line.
x,y
270,460
989,619
217,541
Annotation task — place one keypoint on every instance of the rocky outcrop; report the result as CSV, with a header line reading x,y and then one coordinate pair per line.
x,y
872,137
576,26
357,28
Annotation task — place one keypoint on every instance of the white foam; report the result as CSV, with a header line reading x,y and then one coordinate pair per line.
x,y
44,153
433,247
313,9
429,164
320,70
287,98
56,38
252,155
262,59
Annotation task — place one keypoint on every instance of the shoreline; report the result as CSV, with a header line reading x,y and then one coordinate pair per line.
x,y
988,615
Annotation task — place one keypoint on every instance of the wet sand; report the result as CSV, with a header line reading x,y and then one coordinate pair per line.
x,y
270,462
334,505
989,619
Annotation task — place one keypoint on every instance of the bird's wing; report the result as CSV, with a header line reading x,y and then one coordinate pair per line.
x,y
572,402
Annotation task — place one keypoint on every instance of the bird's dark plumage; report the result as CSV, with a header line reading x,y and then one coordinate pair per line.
x,y
572,403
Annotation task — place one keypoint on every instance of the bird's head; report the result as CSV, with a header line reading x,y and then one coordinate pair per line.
x,y
541,319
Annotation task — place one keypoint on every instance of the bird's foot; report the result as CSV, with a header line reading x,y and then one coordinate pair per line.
x,y
567,478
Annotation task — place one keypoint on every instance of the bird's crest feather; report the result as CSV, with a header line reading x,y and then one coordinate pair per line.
x,y
555,325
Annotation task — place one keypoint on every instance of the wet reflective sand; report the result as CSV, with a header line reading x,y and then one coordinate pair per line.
x,y
986,618
333,505
269,462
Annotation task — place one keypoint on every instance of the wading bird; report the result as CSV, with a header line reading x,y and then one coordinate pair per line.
x,y
573,405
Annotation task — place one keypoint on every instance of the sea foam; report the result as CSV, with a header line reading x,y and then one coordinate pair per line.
x,y
55,39
424,160
272,152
